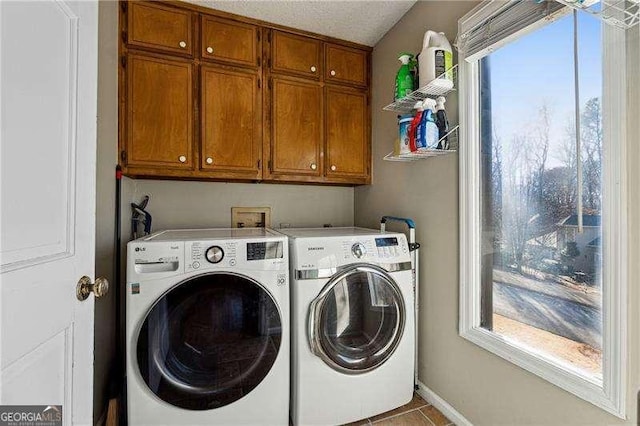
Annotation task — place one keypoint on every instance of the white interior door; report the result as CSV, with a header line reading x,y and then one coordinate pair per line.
x,y
47,190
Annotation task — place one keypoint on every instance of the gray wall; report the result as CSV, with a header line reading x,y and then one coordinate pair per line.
x,y
105,198
486,389
176,204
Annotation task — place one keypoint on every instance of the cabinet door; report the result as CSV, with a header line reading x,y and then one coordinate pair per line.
x,y
346,65
347,133
159,112
296,127
295,54
231,122
229,41
159,27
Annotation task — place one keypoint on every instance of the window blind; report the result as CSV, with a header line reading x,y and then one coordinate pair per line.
x,y
503,23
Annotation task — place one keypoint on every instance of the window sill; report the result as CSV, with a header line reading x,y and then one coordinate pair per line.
x,y
564,376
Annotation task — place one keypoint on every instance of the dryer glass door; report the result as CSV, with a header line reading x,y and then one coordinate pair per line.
x,y
357,321
209,341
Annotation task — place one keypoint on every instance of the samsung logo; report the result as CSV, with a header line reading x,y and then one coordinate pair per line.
x,y
315,248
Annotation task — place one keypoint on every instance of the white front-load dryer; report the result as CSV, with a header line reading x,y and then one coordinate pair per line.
x,y
208,328
352,314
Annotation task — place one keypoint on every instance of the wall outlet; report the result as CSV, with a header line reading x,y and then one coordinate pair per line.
x,y
250,217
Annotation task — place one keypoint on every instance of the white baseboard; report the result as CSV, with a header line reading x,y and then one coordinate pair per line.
x,y
432,398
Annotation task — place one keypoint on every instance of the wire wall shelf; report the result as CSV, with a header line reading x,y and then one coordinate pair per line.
x,y
624,14
451,138
441,86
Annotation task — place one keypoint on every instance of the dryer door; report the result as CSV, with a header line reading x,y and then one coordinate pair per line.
x,y
357,320
209,341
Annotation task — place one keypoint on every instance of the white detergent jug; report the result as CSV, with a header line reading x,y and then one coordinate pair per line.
x,y
436,58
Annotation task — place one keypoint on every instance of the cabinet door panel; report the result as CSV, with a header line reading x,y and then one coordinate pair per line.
x,y
296,127
159,107
296,54
345,65
229,41
231,121
159,27
347,133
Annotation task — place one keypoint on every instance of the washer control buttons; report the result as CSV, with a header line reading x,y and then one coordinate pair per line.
x,y
232,262
214,254
195,265
358,250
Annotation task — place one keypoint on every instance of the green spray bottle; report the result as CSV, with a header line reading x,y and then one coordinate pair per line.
x,y
404,77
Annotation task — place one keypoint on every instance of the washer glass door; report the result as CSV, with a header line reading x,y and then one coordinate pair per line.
x,y
357,320
209,341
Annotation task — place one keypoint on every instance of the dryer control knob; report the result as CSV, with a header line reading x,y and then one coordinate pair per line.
x,y
358,250
214,254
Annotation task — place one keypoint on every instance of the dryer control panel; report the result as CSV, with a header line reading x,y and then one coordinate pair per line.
x,y
319,253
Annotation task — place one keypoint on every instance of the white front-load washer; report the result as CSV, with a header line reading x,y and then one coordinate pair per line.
x,y
208,328
352,315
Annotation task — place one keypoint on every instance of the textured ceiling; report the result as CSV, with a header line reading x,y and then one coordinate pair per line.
x,y
360,21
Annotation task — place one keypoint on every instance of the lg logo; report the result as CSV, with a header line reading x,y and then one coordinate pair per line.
x,y
139,249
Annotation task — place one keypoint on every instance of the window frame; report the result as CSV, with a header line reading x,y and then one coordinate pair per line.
x,y
610,393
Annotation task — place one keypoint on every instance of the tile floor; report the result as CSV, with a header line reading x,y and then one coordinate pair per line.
x,y
417,412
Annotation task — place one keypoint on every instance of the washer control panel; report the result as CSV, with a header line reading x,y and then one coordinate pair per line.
x,y
252,254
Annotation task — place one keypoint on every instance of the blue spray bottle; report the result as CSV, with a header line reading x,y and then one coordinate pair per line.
x,y
428,128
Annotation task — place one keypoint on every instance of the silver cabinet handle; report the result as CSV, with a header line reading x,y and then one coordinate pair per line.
x,y
210,50
313,166
313,69
182,158
333,73
182,44
333,168
209,160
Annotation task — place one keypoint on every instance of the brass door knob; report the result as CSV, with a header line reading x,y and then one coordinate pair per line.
x,y
85,287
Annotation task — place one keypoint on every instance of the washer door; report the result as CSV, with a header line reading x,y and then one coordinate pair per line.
x,y
209,341
357,320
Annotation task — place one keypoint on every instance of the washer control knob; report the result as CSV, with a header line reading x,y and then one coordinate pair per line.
x,y
358,250
214,254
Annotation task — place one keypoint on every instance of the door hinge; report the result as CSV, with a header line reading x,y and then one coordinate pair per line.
x,y
259,84
258,164
123,156
258,34
269,165
270,83
123,61
123,6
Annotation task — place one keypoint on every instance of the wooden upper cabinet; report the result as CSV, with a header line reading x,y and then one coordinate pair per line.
x,y
296,128
346,65
230,41
231,122
159,27
159,112
296,54
347,153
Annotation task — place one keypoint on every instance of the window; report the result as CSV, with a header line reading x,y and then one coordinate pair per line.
x,y
542,194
